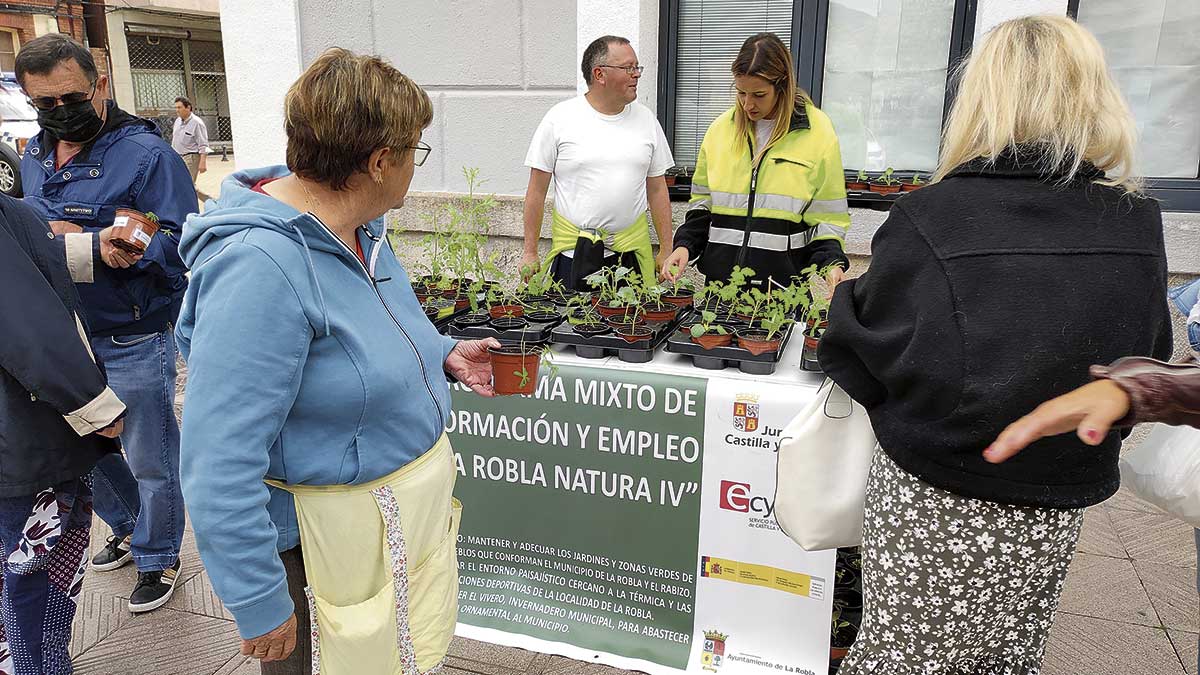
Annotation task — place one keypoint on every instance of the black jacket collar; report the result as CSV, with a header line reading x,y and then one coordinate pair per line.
x,y
1024,162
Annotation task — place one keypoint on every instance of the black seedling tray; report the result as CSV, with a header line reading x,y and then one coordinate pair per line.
x,y
533,332
443,322
718,358
608,344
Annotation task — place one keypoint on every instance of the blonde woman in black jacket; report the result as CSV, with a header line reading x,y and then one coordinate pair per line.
x,y
1033,256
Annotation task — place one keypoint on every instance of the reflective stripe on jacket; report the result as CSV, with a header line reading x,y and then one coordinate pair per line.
x,y
800,215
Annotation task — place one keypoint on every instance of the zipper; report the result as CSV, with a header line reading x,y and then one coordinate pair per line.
x,y
375,287
741,256
784,160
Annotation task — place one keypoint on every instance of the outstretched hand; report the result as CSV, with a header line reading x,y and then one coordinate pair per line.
x,y
1089,411
470,363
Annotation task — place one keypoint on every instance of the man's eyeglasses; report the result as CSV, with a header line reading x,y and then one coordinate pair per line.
x,y
630,70
420,152
48,103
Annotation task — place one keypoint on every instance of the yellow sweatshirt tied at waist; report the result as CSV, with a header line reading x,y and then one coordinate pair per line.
x,y
633,239
382,567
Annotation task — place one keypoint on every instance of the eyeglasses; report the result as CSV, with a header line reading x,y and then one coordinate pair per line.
x,y
48,103
420,152
630,70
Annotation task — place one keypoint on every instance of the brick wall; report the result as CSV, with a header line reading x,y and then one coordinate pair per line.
x,y
71,23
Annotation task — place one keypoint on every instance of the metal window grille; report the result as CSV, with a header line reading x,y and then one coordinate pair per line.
x,y
165,67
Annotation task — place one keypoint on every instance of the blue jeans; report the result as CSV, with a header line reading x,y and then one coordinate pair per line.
x,y
142,496
1185,297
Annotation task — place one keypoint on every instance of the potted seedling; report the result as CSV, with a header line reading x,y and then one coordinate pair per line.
x,y
913,185
515,367
818,305
886,184
770,314
654,308
589,324
133,230
709,334
859,182
502,303
607,282
633,328
681,292
630,298
842,636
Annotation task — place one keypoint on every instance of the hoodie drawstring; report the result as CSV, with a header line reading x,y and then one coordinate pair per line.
x,y
379,244
312,272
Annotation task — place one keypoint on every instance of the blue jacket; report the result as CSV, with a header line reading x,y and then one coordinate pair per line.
x,y
128,166
304,367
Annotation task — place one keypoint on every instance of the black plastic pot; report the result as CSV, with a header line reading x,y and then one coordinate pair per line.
x,y
590,329
473,319
508,322
542,315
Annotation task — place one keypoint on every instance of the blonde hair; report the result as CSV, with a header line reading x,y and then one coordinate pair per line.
x,y
1041,81
345,107
764,55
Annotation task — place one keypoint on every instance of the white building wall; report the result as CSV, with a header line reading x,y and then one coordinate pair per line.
x,y
262,58
992,12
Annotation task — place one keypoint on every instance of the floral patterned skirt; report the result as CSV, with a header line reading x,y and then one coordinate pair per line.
x,y
956,586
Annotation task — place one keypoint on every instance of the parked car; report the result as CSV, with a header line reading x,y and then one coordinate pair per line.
x,y
19,124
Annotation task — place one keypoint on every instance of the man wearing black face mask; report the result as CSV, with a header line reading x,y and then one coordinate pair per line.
x,y
91,159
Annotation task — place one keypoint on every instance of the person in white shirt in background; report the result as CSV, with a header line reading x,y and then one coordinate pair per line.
x,y
190,138
608,157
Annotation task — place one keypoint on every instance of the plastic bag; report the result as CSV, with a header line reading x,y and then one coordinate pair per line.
x,y
1165,471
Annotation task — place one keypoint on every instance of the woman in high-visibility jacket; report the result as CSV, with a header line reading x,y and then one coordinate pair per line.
x,y
768,192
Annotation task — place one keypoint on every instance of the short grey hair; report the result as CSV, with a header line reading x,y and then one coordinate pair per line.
x,y
597,52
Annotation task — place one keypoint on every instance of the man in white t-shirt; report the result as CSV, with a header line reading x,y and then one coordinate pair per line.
x,y
607,155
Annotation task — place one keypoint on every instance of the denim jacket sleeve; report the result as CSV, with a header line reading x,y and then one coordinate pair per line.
x,y
165,188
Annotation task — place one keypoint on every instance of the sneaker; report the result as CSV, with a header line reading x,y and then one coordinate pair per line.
x,y
114,554
153,589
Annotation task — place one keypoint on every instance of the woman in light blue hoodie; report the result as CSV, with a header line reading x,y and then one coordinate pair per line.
x,y
310,362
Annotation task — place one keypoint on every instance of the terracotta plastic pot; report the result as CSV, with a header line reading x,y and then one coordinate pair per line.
x,y
634,334
711,340
856,186
662,312
507,365
620,320
754,340
909,187
506,310
883,189
811,342
132,231
461,302
607,310
682,300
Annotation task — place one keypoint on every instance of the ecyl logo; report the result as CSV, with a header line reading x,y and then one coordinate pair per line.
x,y
739,497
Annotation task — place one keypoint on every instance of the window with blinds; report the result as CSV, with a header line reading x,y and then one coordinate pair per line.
x,y
710,32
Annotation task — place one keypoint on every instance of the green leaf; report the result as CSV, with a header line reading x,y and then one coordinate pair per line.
x,y
696,330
